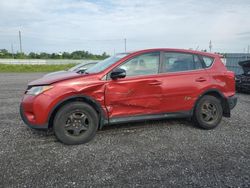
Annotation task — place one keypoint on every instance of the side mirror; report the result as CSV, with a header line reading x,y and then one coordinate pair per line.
x,y
118,73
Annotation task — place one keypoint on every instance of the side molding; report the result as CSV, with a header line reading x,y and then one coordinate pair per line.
x,y
138,118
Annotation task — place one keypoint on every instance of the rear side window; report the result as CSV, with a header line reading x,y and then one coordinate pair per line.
x,y
177,62
208,61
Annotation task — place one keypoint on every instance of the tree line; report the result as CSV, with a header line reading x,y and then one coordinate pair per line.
x,y
80,54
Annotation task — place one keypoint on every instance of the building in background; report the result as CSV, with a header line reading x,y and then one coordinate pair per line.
x,y
232,60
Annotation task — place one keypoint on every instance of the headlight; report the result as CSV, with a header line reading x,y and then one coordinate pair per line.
x,y
36,90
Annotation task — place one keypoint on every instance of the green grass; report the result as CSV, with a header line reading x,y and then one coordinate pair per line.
x,y
34,68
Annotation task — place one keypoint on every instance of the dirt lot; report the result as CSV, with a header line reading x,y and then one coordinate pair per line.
x,y
150,154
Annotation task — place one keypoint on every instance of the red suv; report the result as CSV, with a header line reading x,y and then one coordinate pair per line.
x,y
143,85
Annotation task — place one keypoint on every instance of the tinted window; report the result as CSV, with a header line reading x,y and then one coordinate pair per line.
x,y
175,62
145,64
208,61
197,62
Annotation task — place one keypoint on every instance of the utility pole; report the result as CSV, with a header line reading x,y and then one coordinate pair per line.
x,y
210,46
125,44
20,42
12,51
248,49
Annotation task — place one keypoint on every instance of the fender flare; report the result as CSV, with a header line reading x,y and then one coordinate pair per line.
x,y
225,105
103,119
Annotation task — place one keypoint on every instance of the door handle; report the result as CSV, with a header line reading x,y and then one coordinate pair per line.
x,y
155,83
200,79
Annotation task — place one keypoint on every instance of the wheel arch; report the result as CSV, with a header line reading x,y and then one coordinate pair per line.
x,y
218,94
101,114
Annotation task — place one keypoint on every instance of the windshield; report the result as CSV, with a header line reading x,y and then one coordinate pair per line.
x,y
102,65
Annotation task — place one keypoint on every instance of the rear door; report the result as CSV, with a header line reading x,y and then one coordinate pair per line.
x,y
183,78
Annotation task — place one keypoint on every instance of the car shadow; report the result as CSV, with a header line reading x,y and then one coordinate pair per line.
x,y
125,126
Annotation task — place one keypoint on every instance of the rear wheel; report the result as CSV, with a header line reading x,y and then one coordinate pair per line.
x,y
208,112
75,123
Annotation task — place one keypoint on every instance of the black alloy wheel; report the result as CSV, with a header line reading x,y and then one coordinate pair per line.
x,y
208,112
76,123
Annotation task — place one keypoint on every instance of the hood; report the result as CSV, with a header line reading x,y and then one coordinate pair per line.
x,y
46,80
245,66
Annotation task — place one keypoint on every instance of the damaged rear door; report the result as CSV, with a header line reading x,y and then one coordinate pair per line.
x,y
140,92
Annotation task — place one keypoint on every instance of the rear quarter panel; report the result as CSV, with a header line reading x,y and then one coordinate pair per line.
x,y
221,79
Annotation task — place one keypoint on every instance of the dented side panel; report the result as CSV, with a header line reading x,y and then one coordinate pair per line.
x,y
91,88
162,93
133,96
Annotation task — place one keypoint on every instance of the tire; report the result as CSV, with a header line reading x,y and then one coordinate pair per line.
x,y
75,123
208,112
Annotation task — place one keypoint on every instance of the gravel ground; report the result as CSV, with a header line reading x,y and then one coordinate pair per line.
x,y
169,153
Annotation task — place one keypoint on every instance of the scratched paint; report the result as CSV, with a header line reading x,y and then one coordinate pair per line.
x,y
133,96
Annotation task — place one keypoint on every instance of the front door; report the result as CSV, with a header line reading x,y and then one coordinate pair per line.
x,y
140,92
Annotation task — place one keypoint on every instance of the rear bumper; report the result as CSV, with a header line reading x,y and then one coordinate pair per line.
x,y
232,101
28,123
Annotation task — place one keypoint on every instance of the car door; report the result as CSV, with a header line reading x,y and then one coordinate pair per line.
x,y
183,78
140,92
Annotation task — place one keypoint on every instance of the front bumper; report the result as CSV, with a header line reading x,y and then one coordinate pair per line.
x,y
33,111
28,123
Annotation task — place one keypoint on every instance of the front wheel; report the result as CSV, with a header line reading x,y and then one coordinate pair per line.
x,y
75,123
208,112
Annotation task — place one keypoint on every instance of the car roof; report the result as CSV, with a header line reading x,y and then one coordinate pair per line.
x,y
176,50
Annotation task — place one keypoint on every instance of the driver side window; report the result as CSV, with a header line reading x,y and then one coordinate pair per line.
x,y
145,64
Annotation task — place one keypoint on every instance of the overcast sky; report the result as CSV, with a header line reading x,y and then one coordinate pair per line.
x,y
102,25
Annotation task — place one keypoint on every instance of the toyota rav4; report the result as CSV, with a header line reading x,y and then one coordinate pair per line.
x,y
128,87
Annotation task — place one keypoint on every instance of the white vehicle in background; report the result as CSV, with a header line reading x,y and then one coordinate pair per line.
x,y
79,68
